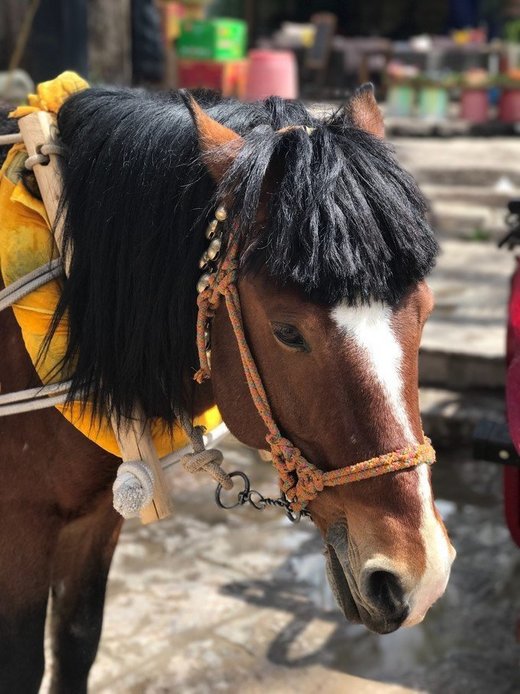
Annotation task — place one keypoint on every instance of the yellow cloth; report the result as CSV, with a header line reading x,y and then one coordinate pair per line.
x,y
26,243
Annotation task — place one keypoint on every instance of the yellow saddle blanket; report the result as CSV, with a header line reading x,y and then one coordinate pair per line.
x,y
26,243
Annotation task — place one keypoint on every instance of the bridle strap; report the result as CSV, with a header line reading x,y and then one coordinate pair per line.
x,y
300,481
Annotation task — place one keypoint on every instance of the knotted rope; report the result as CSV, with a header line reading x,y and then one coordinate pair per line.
x,y
201,459
300,481
42,157
132,488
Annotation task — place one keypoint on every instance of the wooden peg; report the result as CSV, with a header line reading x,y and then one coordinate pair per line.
x,y
38,129
136,443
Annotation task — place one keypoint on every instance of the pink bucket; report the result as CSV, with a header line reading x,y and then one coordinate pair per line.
x,y
474,105
271,73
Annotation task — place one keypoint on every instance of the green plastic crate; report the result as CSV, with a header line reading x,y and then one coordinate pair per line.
x,y
212,39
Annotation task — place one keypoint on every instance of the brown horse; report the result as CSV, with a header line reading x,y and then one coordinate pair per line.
x,y
337,352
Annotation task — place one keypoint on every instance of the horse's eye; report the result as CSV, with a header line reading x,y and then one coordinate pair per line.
x,y
289,336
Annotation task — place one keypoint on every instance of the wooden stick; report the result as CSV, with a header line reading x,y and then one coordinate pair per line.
x,y
136,443
134,438
38,129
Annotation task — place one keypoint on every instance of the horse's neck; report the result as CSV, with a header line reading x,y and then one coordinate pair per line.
x,y
203,398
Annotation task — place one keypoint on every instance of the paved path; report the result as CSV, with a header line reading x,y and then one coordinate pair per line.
x,y
213,601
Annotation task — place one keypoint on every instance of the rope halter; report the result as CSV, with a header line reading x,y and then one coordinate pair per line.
x,y
300,481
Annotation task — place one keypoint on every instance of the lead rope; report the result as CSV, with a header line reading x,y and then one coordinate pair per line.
x,y
202,459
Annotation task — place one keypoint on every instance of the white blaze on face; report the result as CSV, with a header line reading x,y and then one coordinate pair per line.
x,y
439,555
370,329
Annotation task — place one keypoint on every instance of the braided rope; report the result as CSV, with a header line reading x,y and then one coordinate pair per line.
x,y
300,481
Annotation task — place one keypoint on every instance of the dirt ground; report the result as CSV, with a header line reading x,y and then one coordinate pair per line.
x,y
214,601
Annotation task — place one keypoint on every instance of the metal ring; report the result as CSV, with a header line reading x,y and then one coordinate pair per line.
x,y
260,502
293,516
242,494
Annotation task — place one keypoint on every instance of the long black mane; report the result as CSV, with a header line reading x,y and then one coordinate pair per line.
x,y
344,222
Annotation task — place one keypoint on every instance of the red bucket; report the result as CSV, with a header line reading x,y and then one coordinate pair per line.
x,y
271,73
509,106
474,105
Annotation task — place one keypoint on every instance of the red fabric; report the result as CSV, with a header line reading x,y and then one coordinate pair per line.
x,y
512,474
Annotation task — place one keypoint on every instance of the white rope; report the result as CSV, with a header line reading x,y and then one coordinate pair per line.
x,y
35,393
133,488
53,148
12,139
35,159
31,405
30,282
211,438
43,156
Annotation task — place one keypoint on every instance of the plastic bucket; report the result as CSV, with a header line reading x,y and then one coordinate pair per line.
x,y
400,100
271,73
433,102
509,106
474,105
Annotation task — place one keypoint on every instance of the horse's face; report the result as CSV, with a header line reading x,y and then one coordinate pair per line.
x,y
342,383
343,386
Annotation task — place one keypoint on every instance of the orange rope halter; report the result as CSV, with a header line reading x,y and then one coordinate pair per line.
x,y
300,481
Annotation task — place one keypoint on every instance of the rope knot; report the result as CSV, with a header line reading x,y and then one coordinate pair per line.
x,y
299,480
201,459
284,450
133,488
310,481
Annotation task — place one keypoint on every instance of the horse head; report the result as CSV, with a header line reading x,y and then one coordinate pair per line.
x,y
333,248
341,375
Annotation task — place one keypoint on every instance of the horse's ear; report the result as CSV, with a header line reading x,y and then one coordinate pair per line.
x,y
219,145
363,111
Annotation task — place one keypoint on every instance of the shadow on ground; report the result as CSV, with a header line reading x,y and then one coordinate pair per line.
x,y
467,642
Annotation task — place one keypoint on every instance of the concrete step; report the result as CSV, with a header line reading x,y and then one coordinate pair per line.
x,y
461,161
398,126
495,196
461,370
489,176
467,222
450,417
463,343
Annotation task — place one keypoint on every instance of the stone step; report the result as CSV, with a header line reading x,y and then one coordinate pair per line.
x,y
468,222
463,343
461,370
450,417
457,177
495,196
398,126
461,161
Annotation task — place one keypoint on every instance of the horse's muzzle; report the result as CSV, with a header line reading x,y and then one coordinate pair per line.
x,y
378,601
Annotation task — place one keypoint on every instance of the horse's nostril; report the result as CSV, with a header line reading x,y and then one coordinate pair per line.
x,y
384,591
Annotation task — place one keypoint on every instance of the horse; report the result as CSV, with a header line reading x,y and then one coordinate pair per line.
x,y
332,248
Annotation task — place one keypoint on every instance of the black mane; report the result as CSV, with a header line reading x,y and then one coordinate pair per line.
x,y
345,222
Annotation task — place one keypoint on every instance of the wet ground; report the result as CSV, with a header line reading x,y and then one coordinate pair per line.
x,y
214,601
